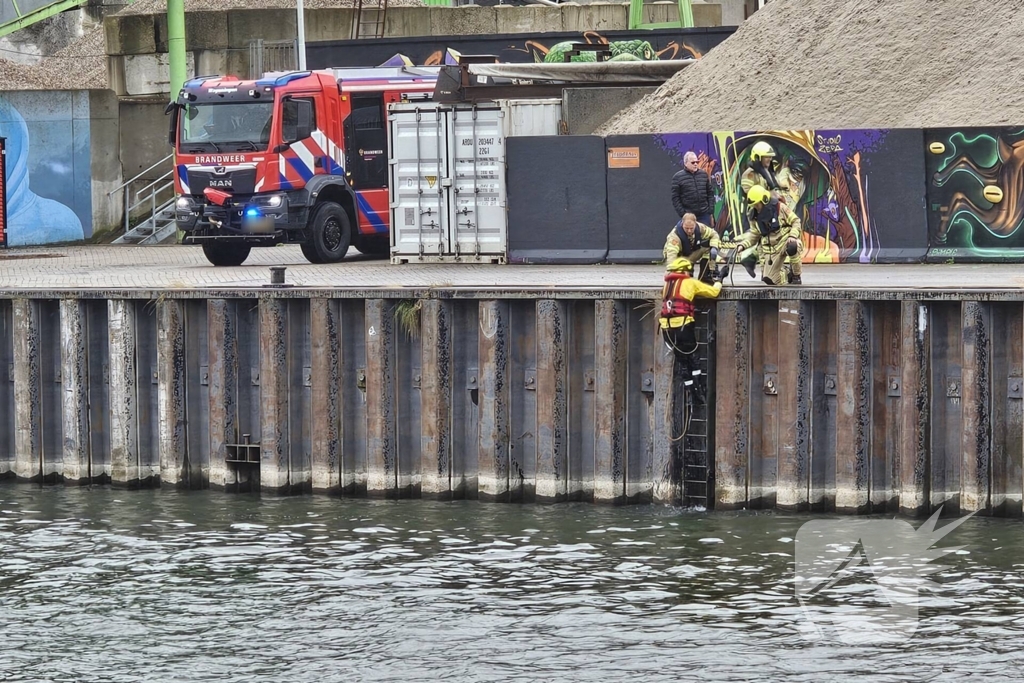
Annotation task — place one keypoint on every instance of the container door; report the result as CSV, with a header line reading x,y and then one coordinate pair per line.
x,y
418,148
477,197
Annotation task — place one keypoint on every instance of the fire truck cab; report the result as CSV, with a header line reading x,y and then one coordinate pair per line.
x,y
299,157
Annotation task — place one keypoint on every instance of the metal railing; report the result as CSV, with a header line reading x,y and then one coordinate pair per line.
x,y
272,55
148,194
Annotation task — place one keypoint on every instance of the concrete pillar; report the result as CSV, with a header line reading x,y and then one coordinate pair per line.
x,y
381,438
124,417
75,397
171,378
274,457
667,487
915,449
436,399
326,432
28,423
732,380
552,401
223,378
794,389
610,370
495,401
975,486
853,420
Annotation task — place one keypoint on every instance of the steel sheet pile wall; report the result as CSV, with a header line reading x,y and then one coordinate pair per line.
x,y
522,399
870,406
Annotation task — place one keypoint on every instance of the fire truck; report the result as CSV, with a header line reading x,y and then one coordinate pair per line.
x,y
298,157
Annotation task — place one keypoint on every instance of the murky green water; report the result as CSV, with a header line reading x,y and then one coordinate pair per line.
x,y
102,585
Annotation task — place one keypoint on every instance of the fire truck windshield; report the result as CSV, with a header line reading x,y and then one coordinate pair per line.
x,y
226,126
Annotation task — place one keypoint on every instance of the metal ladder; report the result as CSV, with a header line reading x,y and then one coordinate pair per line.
x,y
696,445
369,19
158,198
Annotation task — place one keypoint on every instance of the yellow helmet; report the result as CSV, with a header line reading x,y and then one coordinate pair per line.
x,y
758,195
760,150
681,265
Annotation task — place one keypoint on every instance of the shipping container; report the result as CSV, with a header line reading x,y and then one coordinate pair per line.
x,y
532,116
447,178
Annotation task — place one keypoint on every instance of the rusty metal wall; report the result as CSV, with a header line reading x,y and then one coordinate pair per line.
x,y
870,406
821,405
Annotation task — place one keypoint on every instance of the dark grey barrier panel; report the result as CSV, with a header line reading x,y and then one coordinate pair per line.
x,y
974,194
557,201
640,170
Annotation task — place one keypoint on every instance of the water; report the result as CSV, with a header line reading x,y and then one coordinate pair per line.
x,y
104,585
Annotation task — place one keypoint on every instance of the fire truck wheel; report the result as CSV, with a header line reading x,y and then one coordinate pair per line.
x,y
226,254
331,232
310,253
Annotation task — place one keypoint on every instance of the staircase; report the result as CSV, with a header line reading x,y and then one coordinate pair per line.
x,y
369,19
154,202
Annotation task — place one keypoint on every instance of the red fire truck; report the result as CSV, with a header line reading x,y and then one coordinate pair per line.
x,y
299,157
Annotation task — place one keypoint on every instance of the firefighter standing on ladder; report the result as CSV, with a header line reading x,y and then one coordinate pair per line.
x,y
678,327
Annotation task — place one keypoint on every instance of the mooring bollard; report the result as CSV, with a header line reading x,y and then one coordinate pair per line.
x,y
277,275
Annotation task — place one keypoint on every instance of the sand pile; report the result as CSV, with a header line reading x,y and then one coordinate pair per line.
x,y
160,6
805,64
82,65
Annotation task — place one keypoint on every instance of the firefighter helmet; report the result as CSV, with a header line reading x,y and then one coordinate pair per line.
x,y
758,195
760,150
681,265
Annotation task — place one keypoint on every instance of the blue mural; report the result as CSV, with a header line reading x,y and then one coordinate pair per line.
x,y
49,184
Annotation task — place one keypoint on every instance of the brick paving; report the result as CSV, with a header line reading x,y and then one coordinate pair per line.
x,y
172,267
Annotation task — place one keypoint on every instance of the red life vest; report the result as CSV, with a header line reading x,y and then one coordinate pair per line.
x,y
674,304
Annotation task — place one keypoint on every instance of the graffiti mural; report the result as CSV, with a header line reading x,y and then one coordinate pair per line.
x,y
832,179
975,194
515,48
49,189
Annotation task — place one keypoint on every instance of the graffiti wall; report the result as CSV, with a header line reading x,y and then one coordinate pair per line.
x,y
859,194
49,180
513,48
975,194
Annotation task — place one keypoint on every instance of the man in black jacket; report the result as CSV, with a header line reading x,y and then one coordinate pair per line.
x,y
692,191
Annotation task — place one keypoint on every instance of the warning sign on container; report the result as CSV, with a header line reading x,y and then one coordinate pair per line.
x,y
431,179
3,192
623,157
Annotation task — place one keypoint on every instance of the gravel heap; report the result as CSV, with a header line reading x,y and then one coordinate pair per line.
x,y
827,64
160,6
82,65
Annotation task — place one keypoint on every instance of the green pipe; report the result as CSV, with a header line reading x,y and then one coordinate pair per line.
x,y
176,44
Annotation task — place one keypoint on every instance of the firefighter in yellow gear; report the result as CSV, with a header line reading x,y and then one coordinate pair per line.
x,y
776,232
677,323
698,243
758,173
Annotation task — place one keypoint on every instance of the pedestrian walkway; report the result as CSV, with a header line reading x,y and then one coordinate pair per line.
x,y
107,268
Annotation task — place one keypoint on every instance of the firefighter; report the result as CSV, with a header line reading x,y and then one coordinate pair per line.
x,y
758,173
697,242
678,327
775,231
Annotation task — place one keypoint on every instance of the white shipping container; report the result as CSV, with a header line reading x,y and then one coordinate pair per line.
x,y
447,179
532,117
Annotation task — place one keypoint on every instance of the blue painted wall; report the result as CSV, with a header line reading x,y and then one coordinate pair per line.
x,y
49,178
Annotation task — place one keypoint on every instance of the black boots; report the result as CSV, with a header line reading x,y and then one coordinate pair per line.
x,y
749,264
795,279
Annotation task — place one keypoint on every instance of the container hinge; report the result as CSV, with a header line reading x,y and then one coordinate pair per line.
x,y
892,387
830,385
647,383
1015,387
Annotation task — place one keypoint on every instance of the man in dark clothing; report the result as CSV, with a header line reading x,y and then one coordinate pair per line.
x,y
692,191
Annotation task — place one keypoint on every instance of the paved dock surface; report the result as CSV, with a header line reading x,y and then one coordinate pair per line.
x,y
175,267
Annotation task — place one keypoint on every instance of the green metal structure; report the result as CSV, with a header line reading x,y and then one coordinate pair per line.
x,y
29,17
636,16
176,45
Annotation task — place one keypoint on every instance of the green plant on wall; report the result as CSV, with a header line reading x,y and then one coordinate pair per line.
x,y
407,316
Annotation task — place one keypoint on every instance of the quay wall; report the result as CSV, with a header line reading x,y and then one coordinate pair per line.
x,y
824,400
